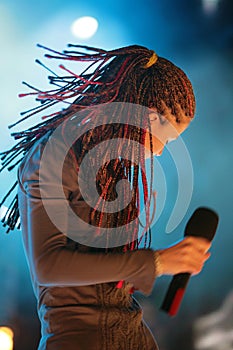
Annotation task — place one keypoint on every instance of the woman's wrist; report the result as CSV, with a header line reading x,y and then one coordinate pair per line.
x,y
158,264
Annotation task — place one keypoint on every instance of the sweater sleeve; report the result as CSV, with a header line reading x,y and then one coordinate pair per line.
x,y
51,260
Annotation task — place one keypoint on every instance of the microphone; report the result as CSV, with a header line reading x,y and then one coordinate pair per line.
x,y
203,223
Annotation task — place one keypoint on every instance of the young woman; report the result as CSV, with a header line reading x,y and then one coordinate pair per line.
x,y
84,272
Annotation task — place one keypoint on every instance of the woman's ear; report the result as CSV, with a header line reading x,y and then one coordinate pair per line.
x,y
153,115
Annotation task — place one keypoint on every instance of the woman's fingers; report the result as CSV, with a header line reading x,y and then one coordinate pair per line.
x,y
195,265
199,243
189,255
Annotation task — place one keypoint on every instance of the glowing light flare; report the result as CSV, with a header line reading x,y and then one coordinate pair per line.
x,y
84,27
210,6
6,338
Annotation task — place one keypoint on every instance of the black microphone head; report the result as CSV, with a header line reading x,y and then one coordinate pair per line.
x,y
203,223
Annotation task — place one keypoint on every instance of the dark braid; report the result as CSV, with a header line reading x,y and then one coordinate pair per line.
x,y
121,75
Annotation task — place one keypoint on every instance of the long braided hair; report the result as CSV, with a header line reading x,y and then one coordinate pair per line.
x,y
132,74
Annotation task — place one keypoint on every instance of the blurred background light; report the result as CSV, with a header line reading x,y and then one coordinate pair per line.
x,y
210,6
214,330
84,27
3,211
6,338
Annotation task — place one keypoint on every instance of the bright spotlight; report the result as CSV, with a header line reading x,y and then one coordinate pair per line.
x,y
6,338
210,6
84,27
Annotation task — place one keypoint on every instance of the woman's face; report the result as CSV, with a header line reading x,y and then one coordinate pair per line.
x,y
163,130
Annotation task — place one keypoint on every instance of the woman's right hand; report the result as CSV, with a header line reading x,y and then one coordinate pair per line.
x,y
189,255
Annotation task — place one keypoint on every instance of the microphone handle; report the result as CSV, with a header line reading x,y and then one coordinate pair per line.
x,y
175,293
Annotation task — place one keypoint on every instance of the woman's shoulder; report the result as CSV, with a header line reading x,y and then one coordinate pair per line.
x,y
30,164
50,162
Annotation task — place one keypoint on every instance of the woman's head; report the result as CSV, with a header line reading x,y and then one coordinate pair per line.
x,y
137,75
